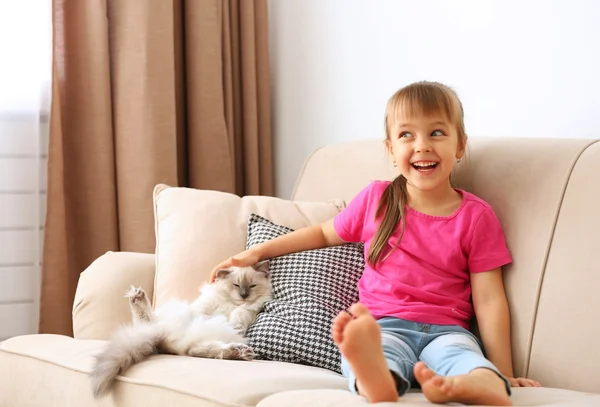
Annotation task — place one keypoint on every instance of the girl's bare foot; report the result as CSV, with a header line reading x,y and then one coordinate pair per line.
x,y
481,387
359,340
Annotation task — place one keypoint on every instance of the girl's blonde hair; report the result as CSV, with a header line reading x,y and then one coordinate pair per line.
x,y
426,98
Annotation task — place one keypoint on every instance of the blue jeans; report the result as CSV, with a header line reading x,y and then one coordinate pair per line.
x,y
448,350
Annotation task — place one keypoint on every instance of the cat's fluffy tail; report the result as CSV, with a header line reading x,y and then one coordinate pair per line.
x,y
129,345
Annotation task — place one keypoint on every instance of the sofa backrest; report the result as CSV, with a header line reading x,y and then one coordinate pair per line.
x,y
545,192
567,326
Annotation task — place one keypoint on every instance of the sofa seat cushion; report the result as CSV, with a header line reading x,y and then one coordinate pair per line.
x,y
57,367
522,397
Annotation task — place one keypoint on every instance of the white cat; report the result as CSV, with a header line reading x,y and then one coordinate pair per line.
x,y
213,326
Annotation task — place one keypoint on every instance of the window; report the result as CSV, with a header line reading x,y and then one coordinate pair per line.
x,y
25,74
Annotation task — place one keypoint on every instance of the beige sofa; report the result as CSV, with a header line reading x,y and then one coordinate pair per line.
x,y
546,193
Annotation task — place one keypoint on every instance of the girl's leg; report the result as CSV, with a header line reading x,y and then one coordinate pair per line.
x,y
400,360
454,369
378,364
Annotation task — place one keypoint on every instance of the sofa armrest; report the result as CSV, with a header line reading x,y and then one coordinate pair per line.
x,y
100,305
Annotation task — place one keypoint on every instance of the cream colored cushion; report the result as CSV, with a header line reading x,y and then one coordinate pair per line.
x,y
56,370
197,229
100,306
540,397
563,351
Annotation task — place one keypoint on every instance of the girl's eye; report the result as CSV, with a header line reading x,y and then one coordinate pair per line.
x,y
405,134
437,133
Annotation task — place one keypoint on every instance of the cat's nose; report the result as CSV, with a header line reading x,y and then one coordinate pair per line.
x,y
244,294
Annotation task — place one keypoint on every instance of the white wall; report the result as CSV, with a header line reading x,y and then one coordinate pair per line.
x,y
522,68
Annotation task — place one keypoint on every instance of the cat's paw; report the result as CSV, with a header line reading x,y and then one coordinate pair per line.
x,y
240,351
135,294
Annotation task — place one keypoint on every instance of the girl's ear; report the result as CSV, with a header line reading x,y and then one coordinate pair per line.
x,y
390,148
460,153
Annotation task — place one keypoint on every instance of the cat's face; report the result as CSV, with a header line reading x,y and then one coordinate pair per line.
x,y
245,284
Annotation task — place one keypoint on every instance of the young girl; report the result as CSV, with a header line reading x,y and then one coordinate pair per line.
x,y
433,259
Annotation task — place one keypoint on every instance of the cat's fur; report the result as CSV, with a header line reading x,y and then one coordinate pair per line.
x,y
212,326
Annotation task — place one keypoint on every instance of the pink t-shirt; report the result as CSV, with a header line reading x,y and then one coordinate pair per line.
x,y
426,279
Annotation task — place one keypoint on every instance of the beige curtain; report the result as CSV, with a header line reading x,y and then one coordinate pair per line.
x,y
147,92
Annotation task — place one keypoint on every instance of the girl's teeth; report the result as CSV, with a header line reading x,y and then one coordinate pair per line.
x,y
428,166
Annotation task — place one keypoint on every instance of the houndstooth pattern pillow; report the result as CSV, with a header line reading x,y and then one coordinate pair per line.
x,y
309,289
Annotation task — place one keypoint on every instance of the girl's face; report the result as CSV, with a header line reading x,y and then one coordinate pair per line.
x,y
424,149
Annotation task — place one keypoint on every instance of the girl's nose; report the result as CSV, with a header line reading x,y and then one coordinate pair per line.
x,y
422,145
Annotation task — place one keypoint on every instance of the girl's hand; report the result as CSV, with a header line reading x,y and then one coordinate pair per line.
x,y
523,382
246,258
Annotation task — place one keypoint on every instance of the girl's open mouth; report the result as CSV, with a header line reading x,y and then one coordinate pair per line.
x,y
424,166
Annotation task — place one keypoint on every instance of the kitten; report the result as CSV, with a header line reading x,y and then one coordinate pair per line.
x,y
212,326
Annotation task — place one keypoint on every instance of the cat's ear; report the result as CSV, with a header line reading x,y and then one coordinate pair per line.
x,y
262,267
222,273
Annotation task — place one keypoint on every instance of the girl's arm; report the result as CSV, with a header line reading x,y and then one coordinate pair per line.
x,y
493,319
307,238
